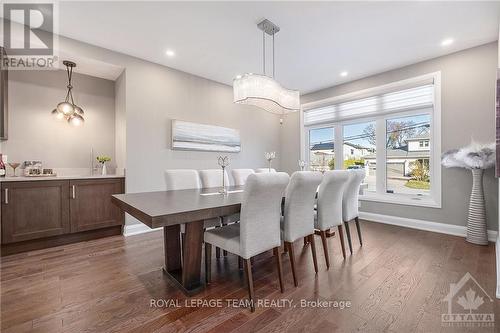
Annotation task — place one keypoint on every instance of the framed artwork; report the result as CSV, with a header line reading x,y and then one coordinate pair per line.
x,y
202,137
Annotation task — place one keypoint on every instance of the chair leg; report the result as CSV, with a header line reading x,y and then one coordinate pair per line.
x,y
276,251
217,252
292,262
183,238
348,233
341,237
208,263
306,241
322,233
359,230
240,263
248,269
313,250
224,253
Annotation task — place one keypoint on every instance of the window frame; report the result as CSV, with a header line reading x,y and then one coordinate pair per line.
x,y
432,200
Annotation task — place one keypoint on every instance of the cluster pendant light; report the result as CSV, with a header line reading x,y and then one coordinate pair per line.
x,y
68,110
261,90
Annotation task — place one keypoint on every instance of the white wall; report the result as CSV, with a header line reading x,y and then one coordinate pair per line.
x,y
35,135
468,103
154,95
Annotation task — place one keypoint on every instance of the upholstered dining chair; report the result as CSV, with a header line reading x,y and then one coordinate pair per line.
x,y
264,170
213,178
350,203
298,219
184,179
259,227
329,207
240,176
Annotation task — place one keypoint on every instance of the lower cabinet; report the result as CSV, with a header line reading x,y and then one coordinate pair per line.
x,y
91,206
36,209
41,209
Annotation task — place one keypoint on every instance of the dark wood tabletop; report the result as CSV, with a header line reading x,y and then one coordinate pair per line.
x,y
166,208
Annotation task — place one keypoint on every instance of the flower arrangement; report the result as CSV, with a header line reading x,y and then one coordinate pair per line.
x,y
103,159
475,157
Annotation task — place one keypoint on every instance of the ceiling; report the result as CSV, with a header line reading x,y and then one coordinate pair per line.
x,y
317,41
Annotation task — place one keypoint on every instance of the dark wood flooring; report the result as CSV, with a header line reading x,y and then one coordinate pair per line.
x,y
396,283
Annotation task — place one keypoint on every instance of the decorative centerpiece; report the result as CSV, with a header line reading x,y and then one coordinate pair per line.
x,y
475,157
302,165
270,156
103,160
223,162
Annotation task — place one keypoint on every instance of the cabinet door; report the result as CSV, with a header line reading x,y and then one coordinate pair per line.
x,y
91,206
34,209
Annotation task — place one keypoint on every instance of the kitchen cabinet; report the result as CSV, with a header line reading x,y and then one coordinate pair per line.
x,y
44,213
91,206
32,210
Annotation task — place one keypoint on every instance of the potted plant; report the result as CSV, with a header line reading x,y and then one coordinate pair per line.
x,y
102,160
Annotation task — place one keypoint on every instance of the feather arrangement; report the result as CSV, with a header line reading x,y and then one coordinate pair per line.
x,y
474,156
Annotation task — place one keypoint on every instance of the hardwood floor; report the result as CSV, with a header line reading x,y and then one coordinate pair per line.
x,y
395,283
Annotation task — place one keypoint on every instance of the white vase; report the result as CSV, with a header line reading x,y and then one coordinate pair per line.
x,y
476,222
104,170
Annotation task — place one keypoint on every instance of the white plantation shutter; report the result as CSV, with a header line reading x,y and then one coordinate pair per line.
x,y
414,98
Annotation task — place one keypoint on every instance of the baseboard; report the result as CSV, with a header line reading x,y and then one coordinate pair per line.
x,y
136,229
442,228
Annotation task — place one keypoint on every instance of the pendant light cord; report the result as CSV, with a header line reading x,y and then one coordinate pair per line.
x,y
273,57
264,52
69,94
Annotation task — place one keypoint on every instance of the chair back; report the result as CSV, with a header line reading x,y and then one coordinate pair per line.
x,y
300,196
331,189
264,170
182,179
351,193
260,213
240,176
213,178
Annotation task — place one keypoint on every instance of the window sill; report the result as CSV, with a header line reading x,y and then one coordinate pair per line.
x,y
401,199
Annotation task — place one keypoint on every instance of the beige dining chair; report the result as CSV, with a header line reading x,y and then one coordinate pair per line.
x,y
298,219
329,208
259,227
240,176
350,203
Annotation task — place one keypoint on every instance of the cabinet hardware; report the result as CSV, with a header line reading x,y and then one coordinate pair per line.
x,y
73,192
6,196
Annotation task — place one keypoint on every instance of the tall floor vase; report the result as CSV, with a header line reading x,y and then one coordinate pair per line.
x,y
476,222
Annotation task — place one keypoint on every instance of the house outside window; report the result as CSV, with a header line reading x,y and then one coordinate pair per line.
x,y
392,132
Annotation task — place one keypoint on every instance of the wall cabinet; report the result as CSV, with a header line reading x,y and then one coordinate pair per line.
x,y
46,209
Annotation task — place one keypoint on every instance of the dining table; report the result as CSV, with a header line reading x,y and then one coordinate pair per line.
x,y
169,210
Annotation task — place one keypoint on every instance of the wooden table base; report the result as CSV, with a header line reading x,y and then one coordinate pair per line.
x,y
185,273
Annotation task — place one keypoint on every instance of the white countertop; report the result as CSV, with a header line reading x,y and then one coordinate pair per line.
x,y
68,177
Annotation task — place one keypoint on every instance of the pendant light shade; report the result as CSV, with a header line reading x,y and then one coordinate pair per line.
x,y
68,109
261,90
265,93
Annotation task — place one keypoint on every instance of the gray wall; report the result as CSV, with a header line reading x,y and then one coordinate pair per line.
x,y
154,95
468,111
35,135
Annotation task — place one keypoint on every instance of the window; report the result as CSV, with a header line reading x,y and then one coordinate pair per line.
x,y
321,149
407,164
359,138
392,132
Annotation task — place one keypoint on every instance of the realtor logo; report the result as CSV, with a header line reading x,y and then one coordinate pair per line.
x,y
29,35
469,305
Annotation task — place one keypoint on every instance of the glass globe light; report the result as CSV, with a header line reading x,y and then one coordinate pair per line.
x,y
78,110
58,115
66,108
76,120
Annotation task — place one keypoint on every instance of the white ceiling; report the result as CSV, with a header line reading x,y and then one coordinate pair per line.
x,y
317,41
